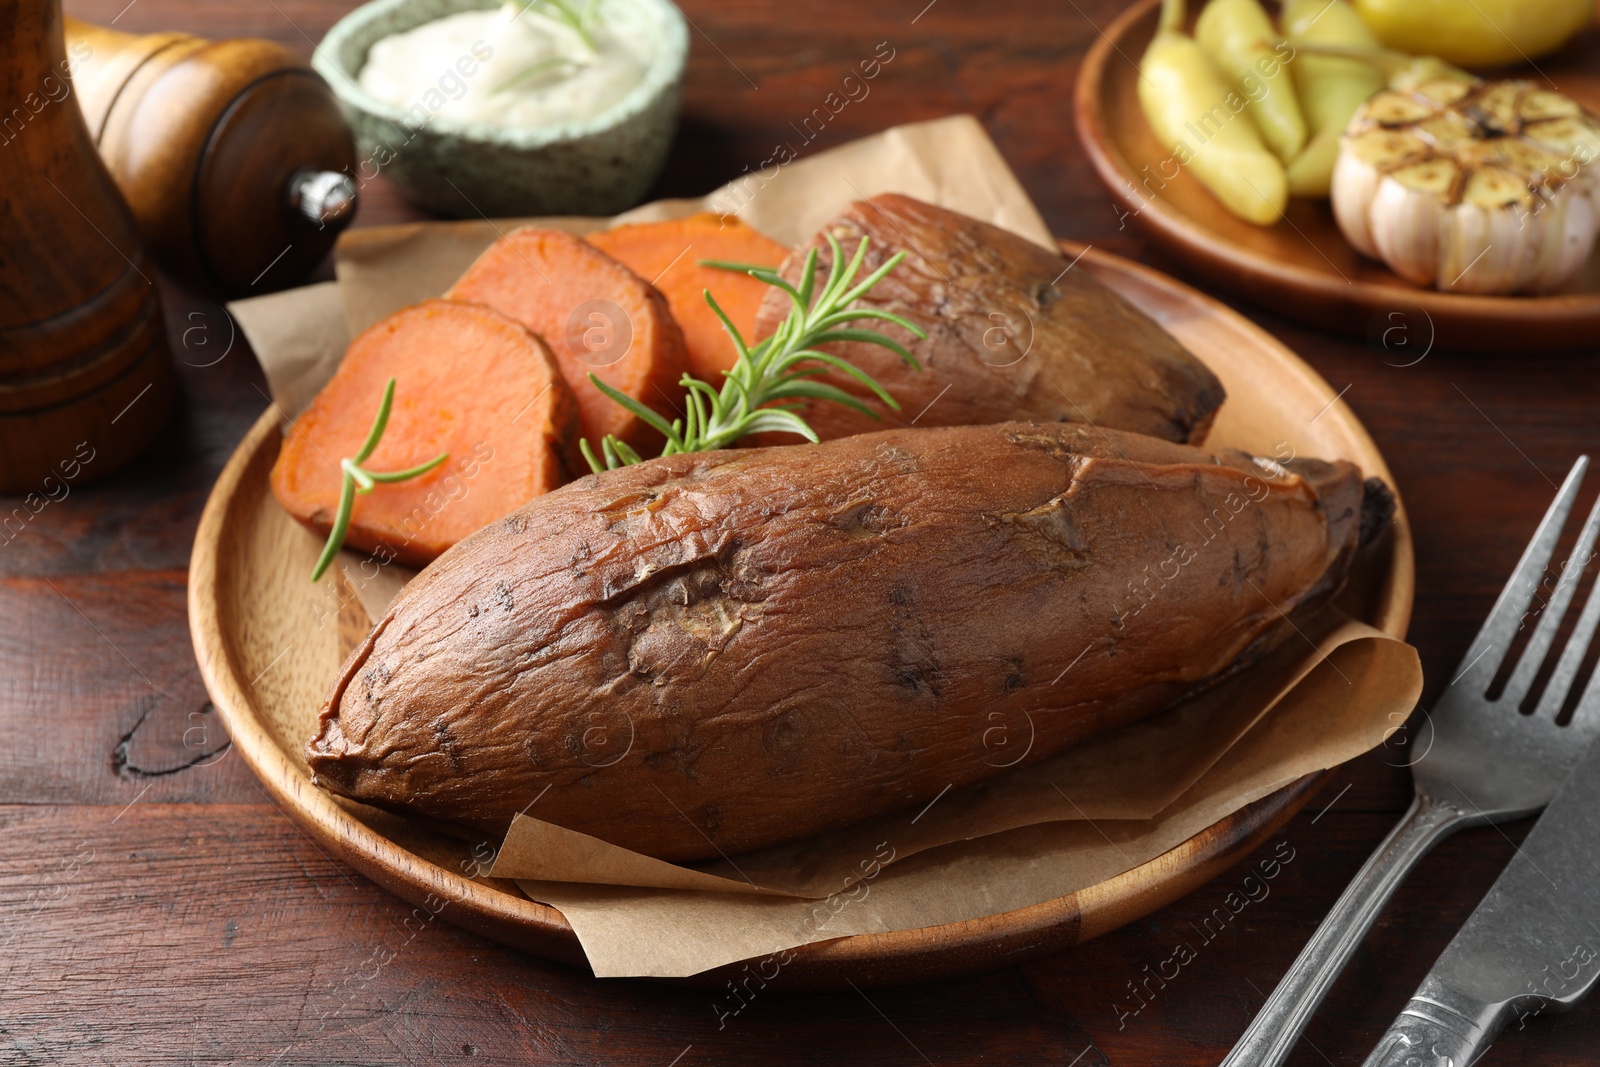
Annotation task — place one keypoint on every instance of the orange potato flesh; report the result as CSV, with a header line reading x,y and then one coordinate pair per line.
x,y
468,382
597,316
668,254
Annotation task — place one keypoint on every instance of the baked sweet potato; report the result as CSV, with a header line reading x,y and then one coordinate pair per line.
x,y
718,651
469,382
1012,334
596,315
668,254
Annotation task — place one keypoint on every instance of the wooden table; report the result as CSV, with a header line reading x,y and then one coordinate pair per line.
x,y
155,908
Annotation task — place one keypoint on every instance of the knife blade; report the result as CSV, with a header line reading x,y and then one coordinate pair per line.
x,y
1531,947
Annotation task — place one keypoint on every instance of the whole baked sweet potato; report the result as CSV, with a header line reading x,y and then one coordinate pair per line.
x,y
1013,331
719,651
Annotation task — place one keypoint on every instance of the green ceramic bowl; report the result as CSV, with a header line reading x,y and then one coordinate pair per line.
x,y
599,166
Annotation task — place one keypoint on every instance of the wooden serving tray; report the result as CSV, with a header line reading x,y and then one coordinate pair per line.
x,y
269,644
1302,267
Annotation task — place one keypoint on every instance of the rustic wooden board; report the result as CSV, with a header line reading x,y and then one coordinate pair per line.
x,y
133,965
177,933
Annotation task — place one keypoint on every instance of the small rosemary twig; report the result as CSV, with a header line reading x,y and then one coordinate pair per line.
x,y
533,71
357,479
781,367
568,13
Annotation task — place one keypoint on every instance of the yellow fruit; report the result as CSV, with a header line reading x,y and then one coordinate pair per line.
x,y
1476,33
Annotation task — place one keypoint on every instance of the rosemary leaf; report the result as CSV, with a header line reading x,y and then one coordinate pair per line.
x,y
778,367
357,479
532,71
580,18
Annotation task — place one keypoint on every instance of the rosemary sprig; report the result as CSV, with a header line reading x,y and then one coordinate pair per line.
x,y
556,67
357,479
783,366
579,17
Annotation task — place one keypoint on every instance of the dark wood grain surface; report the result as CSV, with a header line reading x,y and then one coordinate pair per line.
x,y
155,908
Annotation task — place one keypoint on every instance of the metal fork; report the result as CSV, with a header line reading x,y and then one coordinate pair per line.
x,y
1487,763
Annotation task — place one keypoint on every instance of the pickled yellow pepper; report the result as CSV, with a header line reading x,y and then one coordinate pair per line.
x,y
1239,38
1331,88
1200,118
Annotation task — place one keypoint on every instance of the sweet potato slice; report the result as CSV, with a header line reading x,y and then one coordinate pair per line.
x,y
596,315
468,381
668,254
1014,332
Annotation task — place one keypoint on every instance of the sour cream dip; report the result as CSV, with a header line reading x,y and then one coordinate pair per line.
x,y
523,64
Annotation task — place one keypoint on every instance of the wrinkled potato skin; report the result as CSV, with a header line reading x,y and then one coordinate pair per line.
x,y
719,651
986,296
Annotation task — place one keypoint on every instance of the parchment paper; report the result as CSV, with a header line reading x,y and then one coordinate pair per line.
x,y
1132,773
1024,837
628,931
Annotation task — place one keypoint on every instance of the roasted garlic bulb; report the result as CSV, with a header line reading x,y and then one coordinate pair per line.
x,y
1471,186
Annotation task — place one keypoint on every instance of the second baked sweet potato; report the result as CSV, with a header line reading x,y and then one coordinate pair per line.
x,y
1014,332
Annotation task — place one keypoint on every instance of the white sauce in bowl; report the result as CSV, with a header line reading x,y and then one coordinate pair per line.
x,y
517,65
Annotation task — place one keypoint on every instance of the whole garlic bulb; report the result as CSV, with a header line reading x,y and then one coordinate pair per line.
x,y
1478,187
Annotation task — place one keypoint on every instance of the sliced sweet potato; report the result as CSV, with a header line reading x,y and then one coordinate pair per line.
x,y
468,381
668,254
596,315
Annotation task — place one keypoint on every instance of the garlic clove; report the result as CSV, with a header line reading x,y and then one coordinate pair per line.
x,y
1527,159
1443,91
1570,244
1390,108
1483,250
1406,215
1359,182
1447,132
1541,104
1495,109
1387,149
1363,160
1575,142
1491,185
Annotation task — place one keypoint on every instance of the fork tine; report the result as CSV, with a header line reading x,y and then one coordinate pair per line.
x,y
1586,716
1545,634
1555,691
1488,649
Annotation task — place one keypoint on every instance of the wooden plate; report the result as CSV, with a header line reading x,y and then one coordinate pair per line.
x,y
269,644
1303,268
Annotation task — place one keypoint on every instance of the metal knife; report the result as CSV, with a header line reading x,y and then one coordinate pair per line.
x,y
1532,946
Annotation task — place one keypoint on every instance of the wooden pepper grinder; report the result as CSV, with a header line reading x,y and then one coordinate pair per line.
x,y
232,154
85,378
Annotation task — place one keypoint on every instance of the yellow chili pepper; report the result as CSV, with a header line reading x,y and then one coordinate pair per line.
x,y
1202,121
1331,88
1239,38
